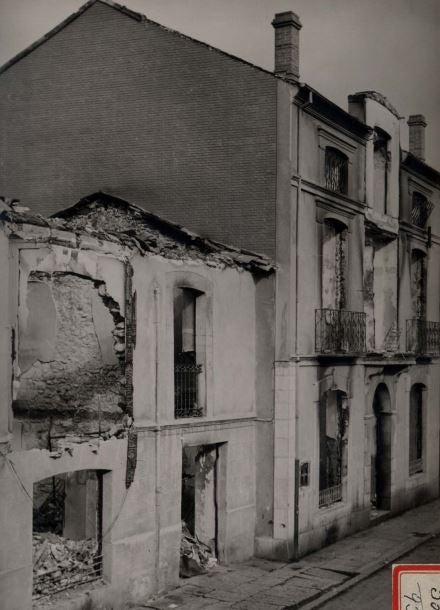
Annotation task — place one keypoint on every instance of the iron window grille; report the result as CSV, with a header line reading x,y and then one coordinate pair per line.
x,y
336,170
338,331
422,337
421,210
330,495
186,389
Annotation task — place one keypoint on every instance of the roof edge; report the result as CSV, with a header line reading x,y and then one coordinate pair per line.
x,y
251,260
415,164
133,15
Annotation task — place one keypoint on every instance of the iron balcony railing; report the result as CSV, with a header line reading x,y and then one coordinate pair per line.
x,y
338,331
422,337
330,495
416,466
186,390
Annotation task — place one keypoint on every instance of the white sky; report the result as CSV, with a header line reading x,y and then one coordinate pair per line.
x,y
392,46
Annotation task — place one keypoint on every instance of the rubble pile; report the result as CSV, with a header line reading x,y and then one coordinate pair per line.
x,y
60,563
195,556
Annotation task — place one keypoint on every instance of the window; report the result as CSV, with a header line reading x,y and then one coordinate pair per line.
x,y
334,262
381,165
416,429
421,209
336,170
418,284
333,439
187,354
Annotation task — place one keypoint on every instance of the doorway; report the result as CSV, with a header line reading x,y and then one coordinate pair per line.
x,y
381,451
199,508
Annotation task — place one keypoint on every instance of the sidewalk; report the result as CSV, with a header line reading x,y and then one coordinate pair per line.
x,y
264,585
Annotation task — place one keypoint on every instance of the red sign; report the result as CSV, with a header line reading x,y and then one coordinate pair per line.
x,y
416,586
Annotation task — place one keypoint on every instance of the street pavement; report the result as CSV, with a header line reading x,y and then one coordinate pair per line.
x,y
374,593
314,580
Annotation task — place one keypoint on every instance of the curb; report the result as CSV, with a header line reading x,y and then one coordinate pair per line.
x,y
366,572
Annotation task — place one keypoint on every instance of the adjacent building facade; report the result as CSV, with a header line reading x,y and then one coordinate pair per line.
x,y
346,339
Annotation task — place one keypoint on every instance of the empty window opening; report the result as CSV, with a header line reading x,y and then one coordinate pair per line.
x,y
336,170
418,284
187,354
334,263
199,509
381,166
380,442
333,435
67,532
416,429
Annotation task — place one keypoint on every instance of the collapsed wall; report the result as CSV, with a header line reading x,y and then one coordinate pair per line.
x,y
70,360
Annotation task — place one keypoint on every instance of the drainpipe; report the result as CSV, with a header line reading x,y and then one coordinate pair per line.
x,y
157,434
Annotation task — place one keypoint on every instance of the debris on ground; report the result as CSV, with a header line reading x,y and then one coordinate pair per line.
x,y
59,563
196,557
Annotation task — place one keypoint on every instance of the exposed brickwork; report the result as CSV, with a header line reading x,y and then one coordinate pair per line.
x,y
114,104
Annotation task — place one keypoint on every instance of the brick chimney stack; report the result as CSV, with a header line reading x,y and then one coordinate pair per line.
x,y
287,26
417,124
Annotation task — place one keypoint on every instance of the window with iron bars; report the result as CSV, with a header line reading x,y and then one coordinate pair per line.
x,y
420,210
187,370
336,170
333,430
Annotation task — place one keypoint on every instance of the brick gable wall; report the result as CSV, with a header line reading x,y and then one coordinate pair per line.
x,y
113,104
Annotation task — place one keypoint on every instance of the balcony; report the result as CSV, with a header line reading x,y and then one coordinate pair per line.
x,y
338,331
423,337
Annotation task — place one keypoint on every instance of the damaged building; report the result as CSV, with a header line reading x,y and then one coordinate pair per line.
x,y
174,385
129,421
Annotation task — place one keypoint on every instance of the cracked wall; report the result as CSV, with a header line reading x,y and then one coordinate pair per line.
x,y
71,359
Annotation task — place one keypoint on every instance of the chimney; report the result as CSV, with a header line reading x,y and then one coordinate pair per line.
x,y
417,124
287,26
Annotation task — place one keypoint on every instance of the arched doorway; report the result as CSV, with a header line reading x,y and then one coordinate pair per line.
x,y
381,450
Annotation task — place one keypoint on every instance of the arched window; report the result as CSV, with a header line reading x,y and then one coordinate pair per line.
x,y
336,170
333,440
416,428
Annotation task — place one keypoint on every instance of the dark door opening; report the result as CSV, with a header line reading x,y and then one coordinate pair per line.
x,y
381,451
199,511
